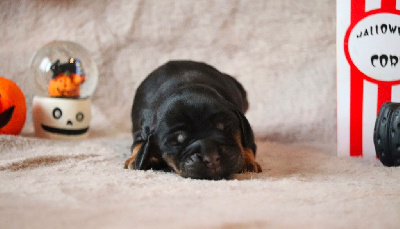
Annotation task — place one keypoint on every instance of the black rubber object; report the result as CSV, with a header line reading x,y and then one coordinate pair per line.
x,y
387,134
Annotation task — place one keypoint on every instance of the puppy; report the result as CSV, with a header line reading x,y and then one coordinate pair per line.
x,y
188,117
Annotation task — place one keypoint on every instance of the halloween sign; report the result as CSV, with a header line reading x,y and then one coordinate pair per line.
x,y
368,70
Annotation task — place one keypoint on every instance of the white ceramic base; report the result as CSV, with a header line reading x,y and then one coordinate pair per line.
x,y
61,118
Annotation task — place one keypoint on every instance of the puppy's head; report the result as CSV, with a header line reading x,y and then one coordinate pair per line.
x,y
199,135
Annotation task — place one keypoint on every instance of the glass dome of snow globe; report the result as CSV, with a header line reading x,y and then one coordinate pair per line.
x,y
64,78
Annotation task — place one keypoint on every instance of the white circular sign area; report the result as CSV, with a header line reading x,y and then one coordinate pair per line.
x,y
374,46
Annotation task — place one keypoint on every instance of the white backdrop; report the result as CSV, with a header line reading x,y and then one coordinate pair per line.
x,y
283,52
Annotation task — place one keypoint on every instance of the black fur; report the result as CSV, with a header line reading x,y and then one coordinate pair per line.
x,y
186,115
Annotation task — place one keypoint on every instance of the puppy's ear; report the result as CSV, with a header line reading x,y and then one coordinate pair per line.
x,y
247,135
148,155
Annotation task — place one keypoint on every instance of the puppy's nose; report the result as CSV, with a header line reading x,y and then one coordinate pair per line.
x,y
212,161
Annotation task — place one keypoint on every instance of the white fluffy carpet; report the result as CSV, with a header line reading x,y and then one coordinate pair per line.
x,y
81,184
284,54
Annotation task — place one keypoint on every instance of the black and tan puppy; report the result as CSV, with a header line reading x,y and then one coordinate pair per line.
x,y
188,117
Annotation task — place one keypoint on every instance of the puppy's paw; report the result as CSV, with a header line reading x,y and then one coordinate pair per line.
x,y
129,163
252,166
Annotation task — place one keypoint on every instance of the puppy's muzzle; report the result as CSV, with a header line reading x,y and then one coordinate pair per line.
x,y
211,160
204,152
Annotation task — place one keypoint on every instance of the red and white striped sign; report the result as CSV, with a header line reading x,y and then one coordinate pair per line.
x,y
368,69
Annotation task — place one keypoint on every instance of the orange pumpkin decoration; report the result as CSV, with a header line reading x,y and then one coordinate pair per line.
x,y
67,78
64,85
12,107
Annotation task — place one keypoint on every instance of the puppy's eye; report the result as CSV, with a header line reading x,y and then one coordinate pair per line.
x,y
220,126
180,137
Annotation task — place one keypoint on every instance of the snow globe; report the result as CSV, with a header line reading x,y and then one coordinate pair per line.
x,y
64,78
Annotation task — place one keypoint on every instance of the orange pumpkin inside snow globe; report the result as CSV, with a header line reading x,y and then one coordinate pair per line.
x,y
66,79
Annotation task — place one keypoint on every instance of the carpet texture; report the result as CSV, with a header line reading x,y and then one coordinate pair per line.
x,y
283,52
48,183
